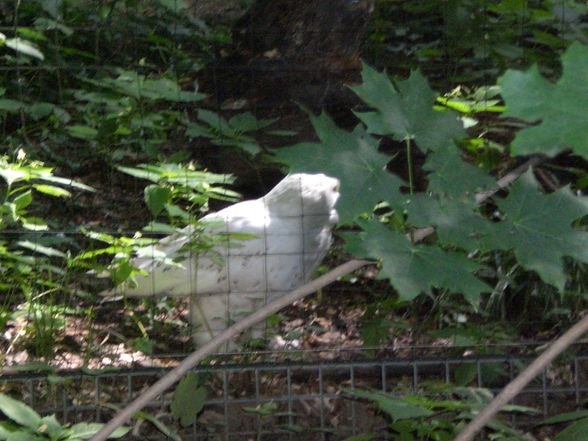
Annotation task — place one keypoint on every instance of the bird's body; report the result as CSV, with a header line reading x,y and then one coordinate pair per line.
x,y
271,246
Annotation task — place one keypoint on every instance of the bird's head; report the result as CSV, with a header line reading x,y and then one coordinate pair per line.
x,y
305,194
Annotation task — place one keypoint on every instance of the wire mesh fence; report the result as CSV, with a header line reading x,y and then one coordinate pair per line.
x,y
118,48
306,401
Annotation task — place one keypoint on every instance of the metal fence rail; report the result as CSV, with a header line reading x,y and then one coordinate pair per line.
x,y
311,400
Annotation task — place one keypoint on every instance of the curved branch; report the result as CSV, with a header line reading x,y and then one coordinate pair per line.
x,y
515,386
228,334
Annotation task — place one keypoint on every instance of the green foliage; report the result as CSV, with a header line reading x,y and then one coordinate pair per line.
x,y
527,220
22,46
23,423
231,133
121,116
437,416
534,222
471,41
32,268
180,190
405,111
22,179
414,269
575,430
267,410
110,113
453,178
353,159
396,408
189,398
559,108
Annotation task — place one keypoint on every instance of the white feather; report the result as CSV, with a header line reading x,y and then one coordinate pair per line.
x,y
290,233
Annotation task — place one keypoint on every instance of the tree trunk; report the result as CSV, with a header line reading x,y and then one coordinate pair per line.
x,y
289,51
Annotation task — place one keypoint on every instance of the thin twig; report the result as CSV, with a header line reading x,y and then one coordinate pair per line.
x,y
509,178
227,335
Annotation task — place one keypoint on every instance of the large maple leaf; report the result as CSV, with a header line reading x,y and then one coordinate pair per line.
x,y
560,108
405,110
353,158
453,177
450,203
415,269
538,228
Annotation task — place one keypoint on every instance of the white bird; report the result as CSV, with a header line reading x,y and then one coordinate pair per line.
x,y
271,246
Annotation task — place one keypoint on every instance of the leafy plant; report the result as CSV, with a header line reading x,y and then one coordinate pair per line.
x,y
180,190
110,113
440,417
523,223
561,127
189,398
578,424
21,46
124,111
471,41
32,268
23,423
231,133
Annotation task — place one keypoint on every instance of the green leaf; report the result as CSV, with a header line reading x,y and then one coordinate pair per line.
x,y
40,110
573,432
4,430
246,122
142,344
352,157
560,107
132,84
46,175
454,177
415,269
566,417
88,430
51,426
23,200
82,132
47,251
11,175
52,190
19,412
156,198
538,228
406,111
121,271
24,47
265,409
456,222
21,435
188,400
160,425
396,407
34,223
10,105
